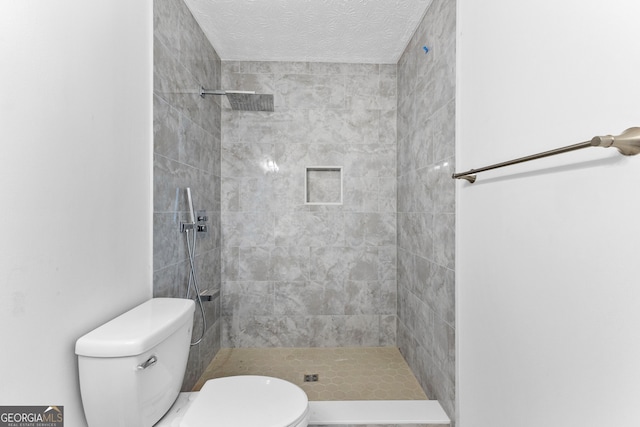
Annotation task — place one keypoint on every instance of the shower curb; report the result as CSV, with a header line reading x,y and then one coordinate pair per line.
x,y
356,412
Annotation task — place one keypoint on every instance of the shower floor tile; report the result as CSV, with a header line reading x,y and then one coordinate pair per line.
x,y
344,373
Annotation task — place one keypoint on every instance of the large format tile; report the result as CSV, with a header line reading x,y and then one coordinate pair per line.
x,y
187,136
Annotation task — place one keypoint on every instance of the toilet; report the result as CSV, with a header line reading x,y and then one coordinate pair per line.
x,y
132,367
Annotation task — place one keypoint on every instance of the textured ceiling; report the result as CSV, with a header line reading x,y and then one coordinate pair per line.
x,y
363,31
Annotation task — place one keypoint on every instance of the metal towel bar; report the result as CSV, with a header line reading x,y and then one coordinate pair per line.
x,y
627,143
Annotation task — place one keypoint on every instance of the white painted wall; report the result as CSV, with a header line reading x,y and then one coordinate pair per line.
x,y
76,185
548,289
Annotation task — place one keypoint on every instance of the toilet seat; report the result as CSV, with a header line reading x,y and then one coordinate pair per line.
x,y
248,400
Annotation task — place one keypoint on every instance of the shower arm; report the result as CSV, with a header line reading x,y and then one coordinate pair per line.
x,y
627,143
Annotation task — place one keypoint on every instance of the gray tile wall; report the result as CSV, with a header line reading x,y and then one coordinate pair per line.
x,y
303,275
312,275
426,202
186,154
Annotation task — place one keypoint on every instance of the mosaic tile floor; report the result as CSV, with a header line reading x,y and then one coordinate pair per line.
x,y
362,373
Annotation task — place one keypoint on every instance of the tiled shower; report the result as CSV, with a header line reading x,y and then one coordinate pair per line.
x,y
375,270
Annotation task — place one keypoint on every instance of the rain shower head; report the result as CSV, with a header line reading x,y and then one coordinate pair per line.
x,y
250,101
244,100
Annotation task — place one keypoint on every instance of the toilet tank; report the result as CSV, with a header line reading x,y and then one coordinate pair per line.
x,y
131,368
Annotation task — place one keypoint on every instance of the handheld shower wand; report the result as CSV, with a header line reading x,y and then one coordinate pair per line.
x,y
191,218
190,223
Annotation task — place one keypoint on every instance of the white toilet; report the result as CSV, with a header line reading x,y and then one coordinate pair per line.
x,y
131,370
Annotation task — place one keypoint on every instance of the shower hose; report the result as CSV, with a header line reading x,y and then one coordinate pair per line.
x,y
193,279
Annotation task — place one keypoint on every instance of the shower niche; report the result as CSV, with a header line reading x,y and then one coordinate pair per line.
x,y
323,185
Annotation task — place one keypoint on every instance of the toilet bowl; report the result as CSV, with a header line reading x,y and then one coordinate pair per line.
x,y
131,370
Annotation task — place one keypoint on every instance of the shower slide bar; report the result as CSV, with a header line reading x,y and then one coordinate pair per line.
x,y
627,143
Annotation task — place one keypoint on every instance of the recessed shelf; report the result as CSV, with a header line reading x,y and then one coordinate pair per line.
x,y
323,185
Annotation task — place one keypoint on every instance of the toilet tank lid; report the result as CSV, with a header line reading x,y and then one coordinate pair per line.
x,y
138,330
